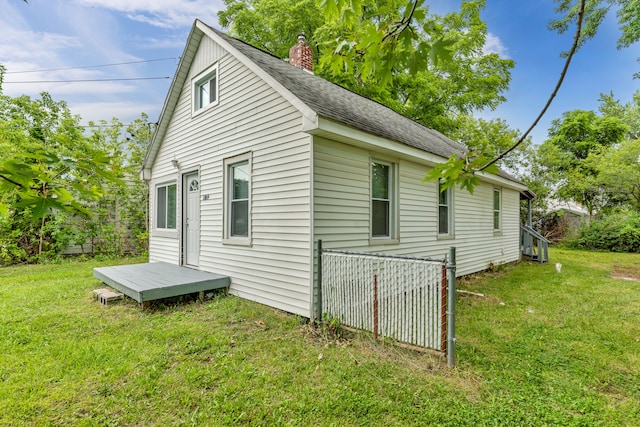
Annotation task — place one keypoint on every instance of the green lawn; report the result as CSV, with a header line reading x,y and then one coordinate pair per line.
x,y
541,348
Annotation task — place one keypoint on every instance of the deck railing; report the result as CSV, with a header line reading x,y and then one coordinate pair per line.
x,y
533,244
402,298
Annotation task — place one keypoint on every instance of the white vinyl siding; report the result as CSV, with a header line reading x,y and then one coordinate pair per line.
x,y
250,117
341,212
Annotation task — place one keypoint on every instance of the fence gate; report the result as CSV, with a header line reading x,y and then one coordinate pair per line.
x,y
403,298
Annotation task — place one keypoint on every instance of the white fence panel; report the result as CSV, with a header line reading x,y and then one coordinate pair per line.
x,y
401,298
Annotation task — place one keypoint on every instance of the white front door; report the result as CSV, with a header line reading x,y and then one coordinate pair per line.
x,y
191,224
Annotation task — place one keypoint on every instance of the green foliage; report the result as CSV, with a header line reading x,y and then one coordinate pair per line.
x,y
22,240
121,214
618,174
48,165
60,186
628,14
594,13
629,112
429,87
491,138
593,159
272,25
454,171
567,155
619,232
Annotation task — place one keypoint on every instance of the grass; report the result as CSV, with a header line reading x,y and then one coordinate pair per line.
x,y
541,348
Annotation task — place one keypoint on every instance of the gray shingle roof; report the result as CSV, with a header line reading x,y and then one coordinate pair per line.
x,y
337,103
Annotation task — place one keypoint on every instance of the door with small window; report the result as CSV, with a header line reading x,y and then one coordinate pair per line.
x,y
191,226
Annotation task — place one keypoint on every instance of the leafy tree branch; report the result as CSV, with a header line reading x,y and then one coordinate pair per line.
x,y
570,54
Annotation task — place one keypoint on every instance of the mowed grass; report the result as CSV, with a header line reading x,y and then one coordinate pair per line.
x,y
540,348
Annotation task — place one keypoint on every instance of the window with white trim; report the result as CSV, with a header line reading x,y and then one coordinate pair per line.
x,y
238,198
497,205
445,209
166,198
383,210
205,89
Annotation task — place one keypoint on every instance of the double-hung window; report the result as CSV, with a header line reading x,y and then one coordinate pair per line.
x,y
444,210
238,198
497,204
166,206
205,89
383,211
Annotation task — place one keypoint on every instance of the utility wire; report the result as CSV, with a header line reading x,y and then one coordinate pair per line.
x,y
54,127
91,66
88,80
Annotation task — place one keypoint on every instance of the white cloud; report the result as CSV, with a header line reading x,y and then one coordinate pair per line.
x,y
163,13
29,47
170,42
63,39
493,44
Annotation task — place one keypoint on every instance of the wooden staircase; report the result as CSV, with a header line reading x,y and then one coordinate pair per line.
x,y
533,244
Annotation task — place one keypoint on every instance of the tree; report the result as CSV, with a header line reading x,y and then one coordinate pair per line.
x,y
568,155
629,113
434,96
618,172
618,166
492,137
48,167
48,161
389,44
120,222
272,25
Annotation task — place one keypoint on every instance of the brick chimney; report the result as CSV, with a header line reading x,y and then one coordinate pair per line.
x,y
300,54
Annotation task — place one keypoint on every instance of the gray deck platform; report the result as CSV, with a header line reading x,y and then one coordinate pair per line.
x,y
157,280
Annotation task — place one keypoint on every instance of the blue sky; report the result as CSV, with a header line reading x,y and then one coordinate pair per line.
x,y
63,34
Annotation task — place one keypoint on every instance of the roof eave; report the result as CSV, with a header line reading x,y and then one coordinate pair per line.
x,y
170,102
343,133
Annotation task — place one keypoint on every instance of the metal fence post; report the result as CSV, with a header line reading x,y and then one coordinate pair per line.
x,y
319,293
451,308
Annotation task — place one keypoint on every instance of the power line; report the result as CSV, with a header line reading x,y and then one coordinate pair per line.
x,y
90,66
85,126
89,80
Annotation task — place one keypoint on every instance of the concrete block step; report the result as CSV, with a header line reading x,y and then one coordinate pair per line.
x,y
105,296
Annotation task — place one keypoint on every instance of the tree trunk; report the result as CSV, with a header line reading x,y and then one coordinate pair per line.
x,y
41,236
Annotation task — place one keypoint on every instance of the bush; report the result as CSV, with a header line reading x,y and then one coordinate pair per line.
x,y
24,240
619,232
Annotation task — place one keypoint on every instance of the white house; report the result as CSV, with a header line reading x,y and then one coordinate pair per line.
x,y
254,160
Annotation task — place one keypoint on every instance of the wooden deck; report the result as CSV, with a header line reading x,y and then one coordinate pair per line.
x,y
157,280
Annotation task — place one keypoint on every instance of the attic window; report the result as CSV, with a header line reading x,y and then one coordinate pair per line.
x,y
205,89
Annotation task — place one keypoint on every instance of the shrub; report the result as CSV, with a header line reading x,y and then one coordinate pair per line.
x,y
619,232
23,240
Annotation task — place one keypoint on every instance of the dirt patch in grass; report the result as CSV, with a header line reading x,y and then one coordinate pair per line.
x,y
626,272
